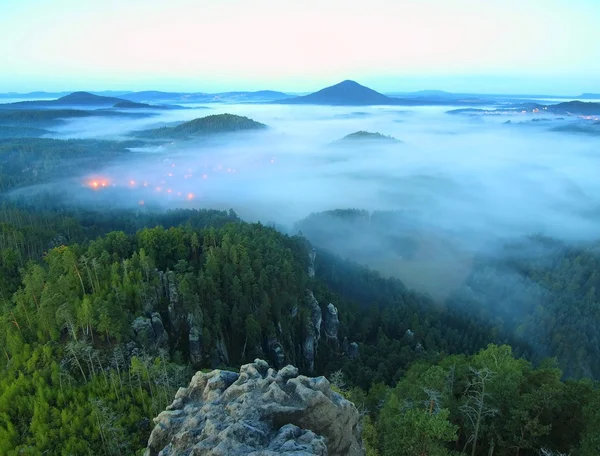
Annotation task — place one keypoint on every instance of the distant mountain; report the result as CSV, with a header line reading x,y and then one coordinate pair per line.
x,y
346,93
148,96
38,94
590,96
576,107
204,126
351,93
367,136
223,97
80,99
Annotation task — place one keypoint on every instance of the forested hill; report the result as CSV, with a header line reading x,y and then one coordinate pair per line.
x,y
362,136
203,126
98,333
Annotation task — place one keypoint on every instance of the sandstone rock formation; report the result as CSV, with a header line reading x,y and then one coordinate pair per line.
x,y
331,323
150,332
313,331
258,412
311,263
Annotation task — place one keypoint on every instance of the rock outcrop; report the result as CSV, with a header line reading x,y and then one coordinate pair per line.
x,y
258,412
150,332
194,340
331,323
311,262
313,331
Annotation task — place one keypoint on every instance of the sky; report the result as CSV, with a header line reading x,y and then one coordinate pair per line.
x,y
492,46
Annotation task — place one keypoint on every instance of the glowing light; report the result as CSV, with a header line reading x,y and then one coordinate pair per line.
x,y
169,190
173,165
132,183
272,160
95,184
170,174
141,202
190,196
178,193
145,184
158,189
204,176
228,170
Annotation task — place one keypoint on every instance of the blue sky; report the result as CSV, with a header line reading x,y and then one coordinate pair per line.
x,y
507,46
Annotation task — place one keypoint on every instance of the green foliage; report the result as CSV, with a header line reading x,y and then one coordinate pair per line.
x,y
71,383
546,292
487,403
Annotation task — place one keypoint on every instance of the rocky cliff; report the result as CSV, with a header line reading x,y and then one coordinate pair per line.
x,y
257,412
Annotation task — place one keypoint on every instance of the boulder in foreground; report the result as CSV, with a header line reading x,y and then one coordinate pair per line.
x,y
257,412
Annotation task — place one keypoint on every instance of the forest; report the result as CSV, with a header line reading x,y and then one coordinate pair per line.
x,y
103,318
106,311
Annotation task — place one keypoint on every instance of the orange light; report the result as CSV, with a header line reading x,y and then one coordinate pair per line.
x,y
95,184
190,196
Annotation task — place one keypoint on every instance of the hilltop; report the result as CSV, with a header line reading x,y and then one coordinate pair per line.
x,y
368,136
346,93
203,126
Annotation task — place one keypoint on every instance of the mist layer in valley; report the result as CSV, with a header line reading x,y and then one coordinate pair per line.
x,y
454,184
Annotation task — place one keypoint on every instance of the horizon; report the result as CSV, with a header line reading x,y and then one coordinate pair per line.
x,y
466,47
122,92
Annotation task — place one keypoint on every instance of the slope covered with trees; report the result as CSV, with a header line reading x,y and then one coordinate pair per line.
x,y
97,333
204,126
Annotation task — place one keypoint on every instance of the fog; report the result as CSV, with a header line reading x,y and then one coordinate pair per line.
x,y
463,181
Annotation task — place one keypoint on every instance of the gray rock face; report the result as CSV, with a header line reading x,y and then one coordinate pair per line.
x,y
194,340
170,288
258,412
311,262
313,331
149,332
331,323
